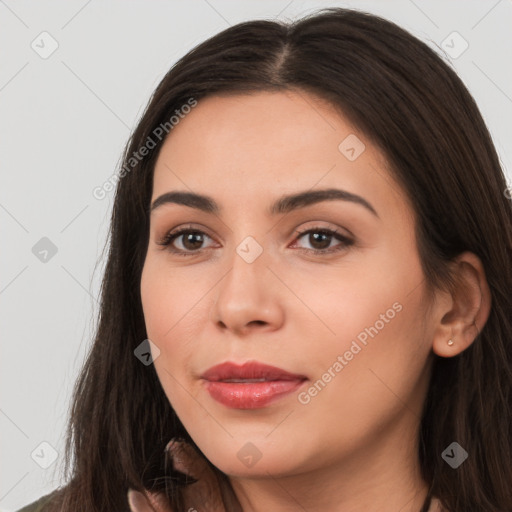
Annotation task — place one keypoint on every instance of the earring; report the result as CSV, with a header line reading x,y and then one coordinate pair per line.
x,y
450,342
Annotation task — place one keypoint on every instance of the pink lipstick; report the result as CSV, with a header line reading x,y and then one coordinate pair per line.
x,y
251,385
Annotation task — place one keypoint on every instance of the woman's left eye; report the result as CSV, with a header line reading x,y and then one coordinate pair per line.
x,y
319,237
191,239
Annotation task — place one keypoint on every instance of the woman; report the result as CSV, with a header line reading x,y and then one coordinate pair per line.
x,y
306,304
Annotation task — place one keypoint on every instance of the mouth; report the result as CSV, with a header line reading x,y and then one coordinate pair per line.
x,y
251,385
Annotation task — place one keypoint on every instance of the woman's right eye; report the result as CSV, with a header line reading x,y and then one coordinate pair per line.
x,y
190,239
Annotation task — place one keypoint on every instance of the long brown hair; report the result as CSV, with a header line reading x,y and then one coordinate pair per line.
x,y
411,105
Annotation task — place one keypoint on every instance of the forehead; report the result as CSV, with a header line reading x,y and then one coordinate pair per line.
x,y
269,143
259,121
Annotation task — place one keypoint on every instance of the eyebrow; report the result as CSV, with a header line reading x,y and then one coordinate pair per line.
x,y
284,204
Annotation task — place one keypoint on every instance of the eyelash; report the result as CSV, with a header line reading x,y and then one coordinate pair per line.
x,y
167,240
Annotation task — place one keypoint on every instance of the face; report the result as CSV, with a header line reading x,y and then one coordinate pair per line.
x,y
327,289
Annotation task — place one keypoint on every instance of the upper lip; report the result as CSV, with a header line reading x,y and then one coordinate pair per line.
x,y
248,370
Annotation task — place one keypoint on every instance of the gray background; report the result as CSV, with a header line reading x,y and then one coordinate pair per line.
x,y
63,124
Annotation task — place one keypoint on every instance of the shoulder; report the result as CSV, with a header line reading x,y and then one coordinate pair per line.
x,y
36,506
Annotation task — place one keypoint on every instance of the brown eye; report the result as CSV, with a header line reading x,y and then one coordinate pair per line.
x,y
320,240
191,241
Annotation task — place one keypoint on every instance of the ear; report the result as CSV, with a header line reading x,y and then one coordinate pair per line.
x,y
464,310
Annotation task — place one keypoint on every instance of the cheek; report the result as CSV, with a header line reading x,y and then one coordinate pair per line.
x,y
161,302
375,365
374,314
174,313
168,299
359,304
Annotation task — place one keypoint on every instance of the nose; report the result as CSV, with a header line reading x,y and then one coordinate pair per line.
x,y
249,298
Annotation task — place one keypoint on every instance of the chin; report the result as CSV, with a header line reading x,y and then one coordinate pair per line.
x,y
260,469
241,457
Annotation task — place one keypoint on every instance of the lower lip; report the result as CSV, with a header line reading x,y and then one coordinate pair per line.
x,y
250,395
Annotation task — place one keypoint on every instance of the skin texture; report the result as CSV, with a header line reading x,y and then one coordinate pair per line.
x,y
353,445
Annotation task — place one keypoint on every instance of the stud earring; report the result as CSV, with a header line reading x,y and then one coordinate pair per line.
x,y
450,342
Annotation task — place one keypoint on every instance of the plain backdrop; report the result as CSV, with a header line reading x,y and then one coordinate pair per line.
x,y
65,117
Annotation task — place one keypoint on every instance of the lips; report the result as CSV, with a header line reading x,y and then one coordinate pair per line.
x,y
251,385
